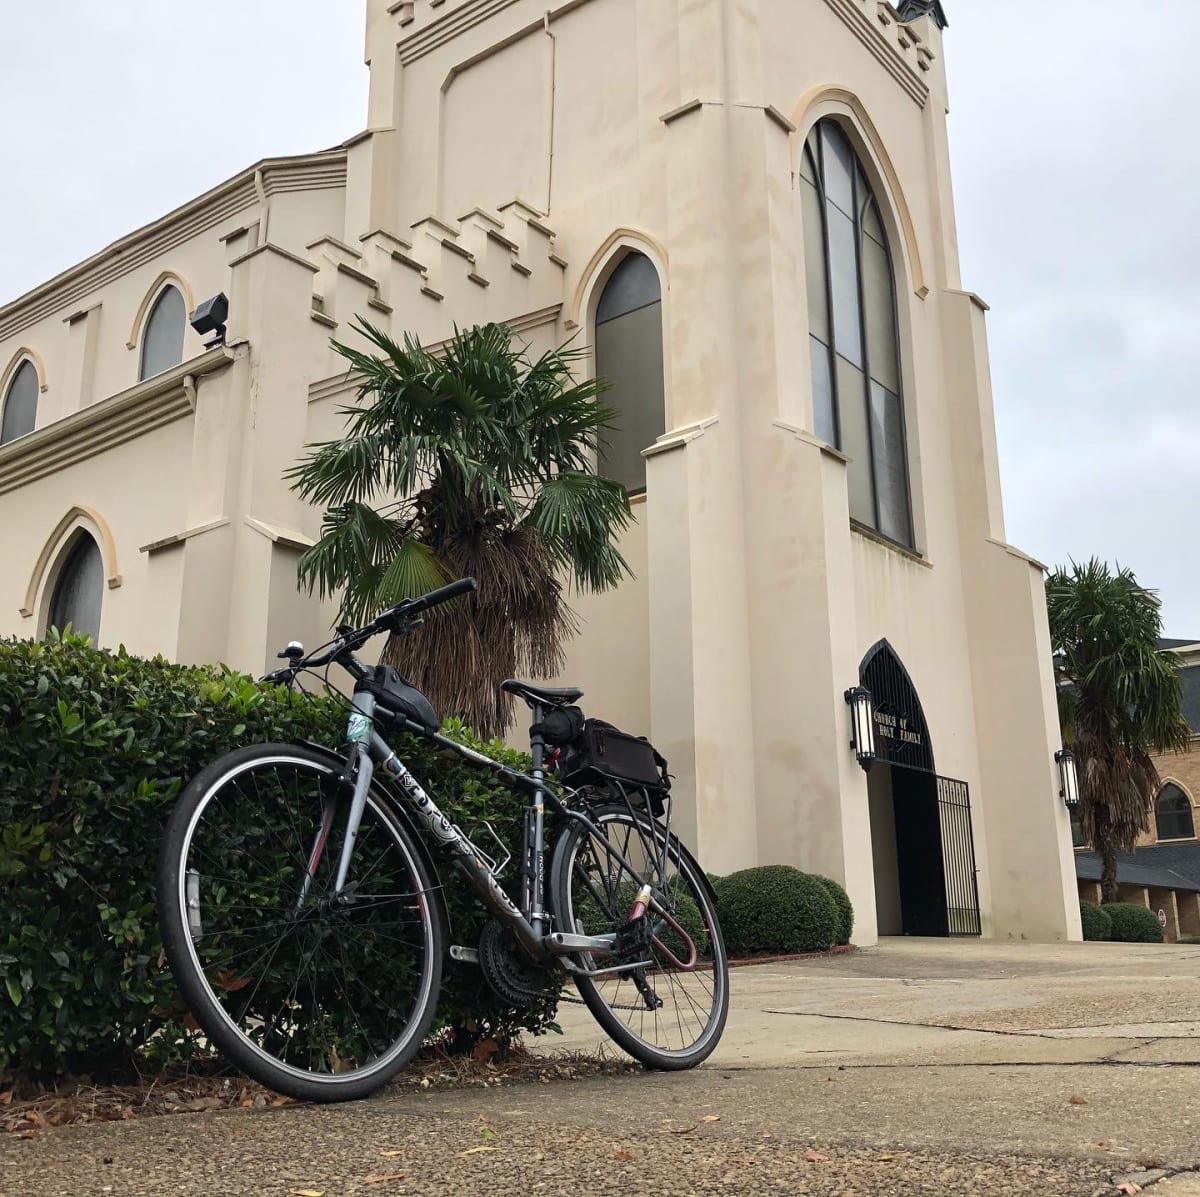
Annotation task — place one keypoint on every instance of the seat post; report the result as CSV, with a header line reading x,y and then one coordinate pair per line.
x,y
537,743
535,827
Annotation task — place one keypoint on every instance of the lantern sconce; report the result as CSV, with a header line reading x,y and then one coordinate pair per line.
x,y
862,724
1068,777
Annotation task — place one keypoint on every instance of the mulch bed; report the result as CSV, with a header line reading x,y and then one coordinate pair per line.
x,y
77,1101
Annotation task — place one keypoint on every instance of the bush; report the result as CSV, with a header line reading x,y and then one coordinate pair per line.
x,y
775,908
1096,923
845,908
1133,924
94,748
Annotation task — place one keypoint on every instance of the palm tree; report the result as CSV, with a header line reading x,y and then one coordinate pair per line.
x,y
1119,701
475,461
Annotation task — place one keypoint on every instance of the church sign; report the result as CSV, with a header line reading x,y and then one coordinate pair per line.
x,y
901,735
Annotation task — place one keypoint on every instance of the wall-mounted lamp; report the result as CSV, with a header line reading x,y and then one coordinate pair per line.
x,y
862,724
1068,777
210,317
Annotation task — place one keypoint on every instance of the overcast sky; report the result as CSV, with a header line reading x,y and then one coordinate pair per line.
x,y
1077,170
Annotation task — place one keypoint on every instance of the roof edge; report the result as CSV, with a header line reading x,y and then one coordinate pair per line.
x,y
190,208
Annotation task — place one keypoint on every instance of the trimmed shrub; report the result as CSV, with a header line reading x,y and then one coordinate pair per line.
x,y
595,918
94,748
1133,924
845,908
776,908
1096,923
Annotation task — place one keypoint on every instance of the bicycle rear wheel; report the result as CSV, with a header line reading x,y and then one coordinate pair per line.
x,y
669,1011
319,998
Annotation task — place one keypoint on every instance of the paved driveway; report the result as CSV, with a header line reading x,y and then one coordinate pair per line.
x,y
917,1067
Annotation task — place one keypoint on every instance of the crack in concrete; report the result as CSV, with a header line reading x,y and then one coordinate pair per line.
x,y
1103,1062
1043,1033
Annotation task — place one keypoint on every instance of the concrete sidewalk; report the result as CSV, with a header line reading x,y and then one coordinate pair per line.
x,y
917,1067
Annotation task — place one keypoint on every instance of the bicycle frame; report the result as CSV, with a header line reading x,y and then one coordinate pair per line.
x,y
369,751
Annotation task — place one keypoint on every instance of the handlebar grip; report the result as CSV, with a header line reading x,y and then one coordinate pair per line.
x,y
442,595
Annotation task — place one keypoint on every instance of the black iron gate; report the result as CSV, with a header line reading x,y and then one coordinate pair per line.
x,y
938,889
958,857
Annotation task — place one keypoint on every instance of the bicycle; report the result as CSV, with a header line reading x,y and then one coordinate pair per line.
x,y
305,922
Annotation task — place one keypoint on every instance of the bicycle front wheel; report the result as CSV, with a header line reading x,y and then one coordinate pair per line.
x,y
319,996
668,1003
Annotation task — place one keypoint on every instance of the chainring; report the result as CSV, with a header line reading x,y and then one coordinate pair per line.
x,y
513,977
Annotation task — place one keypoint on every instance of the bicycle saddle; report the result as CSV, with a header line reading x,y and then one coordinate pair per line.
x,y
548,696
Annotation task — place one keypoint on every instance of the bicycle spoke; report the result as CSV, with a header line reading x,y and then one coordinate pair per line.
x,y
337,986
666,1010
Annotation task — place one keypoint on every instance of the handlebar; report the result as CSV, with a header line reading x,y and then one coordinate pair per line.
x,y
394,619
435,597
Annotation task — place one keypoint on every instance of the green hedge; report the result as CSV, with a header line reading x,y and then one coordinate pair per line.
x,y
845,908
94,748
1133,924
776,908
1096,923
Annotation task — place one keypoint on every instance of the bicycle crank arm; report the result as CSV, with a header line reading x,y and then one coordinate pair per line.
x,y
561,943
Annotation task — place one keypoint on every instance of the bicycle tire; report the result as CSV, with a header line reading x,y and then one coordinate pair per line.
x,y
211,986
608,904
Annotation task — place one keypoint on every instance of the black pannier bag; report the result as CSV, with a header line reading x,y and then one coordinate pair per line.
x,y
599,754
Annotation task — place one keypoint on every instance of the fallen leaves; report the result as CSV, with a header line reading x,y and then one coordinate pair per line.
x,y
383,1178
306,1193
711,1118
477,1150
484,1050
1076,1100
815,1157
894,1155
391,1153
623,1155
681,1130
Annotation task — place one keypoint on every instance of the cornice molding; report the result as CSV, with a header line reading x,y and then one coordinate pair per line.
x,y
312,172
104,425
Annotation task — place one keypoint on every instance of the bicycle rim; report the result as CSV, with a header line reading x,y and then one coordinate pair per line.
x,y
670,1011
298,986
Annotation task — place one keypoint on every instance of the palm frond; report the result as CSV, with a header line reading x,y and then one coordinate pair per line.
x,y
481,462
1120,702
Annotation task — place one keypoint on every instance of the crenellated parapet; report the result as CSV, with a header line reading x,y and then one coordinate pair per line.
x,y
485,265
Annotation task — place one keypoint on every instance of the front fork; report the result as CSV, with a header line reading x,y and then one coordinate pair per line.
x,y
360,768
358,733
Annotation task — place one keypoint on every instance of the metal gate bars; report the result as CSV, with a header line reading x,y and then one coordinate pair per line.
x,y
958,857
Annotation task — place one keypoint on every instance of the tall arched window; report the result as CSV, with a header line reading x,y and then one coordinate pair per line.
x,y
79,589
162,341
20,404
853,331
629,353
1173,814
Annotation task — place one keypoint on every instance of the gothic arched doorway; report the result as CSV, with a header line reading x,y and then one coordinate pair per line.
x,y
921,840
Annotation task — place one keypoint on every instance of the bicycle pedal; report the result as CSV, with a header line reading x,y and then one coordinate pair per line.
x,y
464,955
